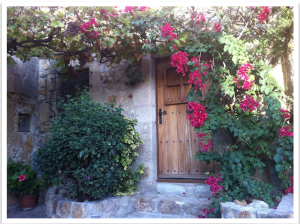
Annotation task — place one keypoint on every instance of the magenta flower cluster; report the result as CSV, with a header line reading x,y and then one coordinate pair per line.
x,y
263,14
167,31
88,25
205,146
285,131
217,28
179,61
249,104
198,116
243,80
213,183
285,113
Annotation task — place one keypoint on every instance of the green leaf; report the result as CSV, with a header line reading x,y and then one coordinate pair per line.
x,y
81,153
278,167
279,150
54,23
226,48
278,158
234,59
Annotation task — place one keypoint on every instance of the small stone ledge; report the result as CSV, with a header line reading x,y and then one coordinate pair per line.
x,y
259,209
158,205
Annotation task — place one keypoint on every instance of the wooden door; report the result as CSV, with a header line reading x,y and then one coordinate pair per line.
x,y
177,140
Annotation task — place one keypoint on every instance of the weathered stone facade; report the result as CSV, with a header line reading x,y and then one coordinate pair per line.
x,y
259,209
144,204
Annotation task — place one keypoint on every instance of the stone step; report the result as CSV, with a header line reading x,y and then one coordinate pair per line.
x,y
159,205
150,215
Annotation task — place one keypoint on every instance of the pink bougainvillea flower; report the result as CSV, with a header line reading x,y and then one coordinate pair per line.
x,y
285,113
167,31
200,135
202,18
213,183
205,146
179,61
217,28
212,209
175,47
286,173
195,78
285,132
249,104
263,14
220,87
198,116
88,177
22,177
128,9
143,8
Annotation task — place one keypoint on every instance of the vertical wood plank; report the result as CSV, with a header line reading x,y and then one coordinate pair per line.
x,y
160,104
173,141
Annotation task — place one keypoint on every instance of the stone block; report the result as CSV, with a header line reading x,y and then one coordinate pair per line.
x,y
258,204
142,97
42,91
14,139
42,82
80,210
144,204
241,203
110,205
168,207
41,97
65,208
145,114
46,66
245,214
44,112
203,190
286,204
96,208
169,188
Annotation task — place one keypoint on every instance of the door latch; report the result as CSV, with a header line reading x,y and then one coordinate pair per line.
x,y
161,113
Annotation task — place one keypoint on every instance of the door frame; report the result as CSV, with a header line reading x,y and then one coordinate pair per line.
x,y
169,180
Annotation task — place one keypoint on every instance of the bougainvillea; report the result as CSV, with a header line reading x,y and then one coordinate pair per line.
x,y
198,116
291,188
85,26
263,14
285,131
195,78
243,80
217,28
167,31
249,104
179,61
213,183
285,113
205,146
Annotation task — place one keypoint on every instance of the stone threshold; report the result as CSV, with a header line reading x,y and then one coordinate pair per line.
x,y
139,205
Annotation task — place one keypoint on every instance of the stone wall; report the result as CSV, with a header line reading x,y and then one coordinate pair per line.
x,y
138,102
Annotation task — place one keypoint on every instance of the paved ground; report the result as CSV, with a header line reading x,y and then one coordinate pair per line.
x,y
38,212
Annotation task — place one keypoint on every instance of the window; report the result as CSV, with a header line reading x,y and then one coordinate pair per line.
x,y
63,86
24,122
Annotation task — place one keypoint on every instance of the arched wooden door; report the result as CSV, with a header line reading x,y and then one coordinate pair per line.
x,y
177,140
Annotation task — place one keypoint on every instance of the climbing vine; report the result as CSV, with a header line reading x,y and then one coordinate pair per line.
x,y
206,44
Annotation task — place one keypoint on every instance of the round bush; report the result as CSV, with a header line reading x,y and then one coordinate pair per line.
x,y
91,150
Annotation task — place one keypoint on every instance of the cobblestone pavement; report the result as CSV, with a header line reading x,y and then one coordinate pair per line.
x,y
38,212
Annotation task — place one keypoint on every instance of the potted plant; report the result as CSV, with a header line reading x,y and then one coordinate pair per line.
x,y
22,181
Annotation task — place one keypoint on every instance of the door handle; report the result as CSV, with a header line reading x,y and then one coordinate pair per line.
x,y
161,113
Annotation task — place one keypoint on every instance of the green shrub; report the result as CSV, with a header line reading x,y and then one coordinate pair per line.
x,y
91,150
